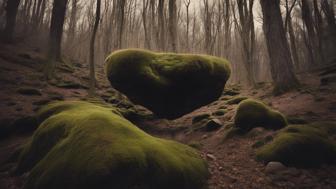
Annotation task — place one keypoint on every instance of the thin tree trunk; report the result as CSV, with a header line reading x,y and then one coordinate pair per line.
x,y
121,23
173,25
289,28
312,41
144,21
92,52
161,25
280,57
187,4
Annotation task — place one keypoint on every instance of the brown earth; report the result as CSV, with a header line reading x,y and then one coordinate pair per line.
x,y
231,161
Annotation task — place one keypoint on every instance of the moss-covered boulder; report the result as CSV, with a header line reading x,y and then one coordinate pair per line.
x,y
83,145
170,85
251,113
302,146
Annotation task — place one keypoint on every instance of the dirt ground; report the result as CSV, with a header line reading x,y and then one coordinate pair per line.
x,y
231,161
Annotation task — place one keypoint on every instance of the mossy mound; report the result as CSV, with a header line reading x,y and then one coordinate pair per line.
x,y
252,113
302,146
170,85
83,145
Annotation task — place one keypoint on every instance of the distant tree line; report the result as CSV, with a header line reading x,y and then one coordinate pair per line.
x,y
264,40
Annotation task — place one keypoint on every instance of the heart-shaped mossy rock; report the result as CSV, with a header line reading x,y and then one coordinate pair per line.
x,y
170,85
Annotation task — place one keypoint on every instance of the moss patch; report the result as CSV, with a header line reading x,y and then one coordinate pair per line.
x,y
302,146
170,85
83,145
251,114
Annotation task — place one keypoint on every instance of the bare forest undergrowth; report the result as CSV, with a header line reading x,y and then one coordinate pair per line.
x,y
231,160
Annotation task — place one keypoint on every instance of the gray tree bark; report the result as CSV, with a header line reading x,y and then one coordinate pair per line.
x,y
278,49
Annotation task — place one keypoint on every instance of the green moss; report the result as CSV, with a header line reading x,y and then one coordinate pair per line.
x,y
236,100
251,114
302,146
83,145
170,85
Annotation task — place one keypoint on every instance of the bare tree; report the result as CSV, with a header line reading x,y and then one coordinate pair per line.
x,y
161,20
72,22
208,26
247,34
289,28
11,12
187,5
145,4
280,57
55,35
315,57
120,23
173,25
92,50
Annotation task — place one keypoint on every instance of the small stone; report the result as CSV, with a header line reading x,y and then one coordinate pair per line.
x,y
204,136
213,124
29,91
200,117
274,167
211,157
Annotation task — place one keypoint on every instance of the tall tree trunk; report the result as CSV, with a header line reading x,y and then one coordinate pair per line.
x,y
187,4
328,10
55,35
153,30
289,28
246,30
293,45
312,38
92,52
72,22
144,21
11,12
280,57
329,14
121,23
161,24
227,27
173,25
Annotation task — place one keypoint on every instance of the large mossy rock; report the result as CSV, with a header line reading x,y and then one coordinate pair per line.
x,y
302,146
251,114
83,145
170,85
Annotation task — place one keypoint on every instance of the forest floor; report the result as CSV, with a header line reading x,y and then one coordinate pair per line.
x,y
231,160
